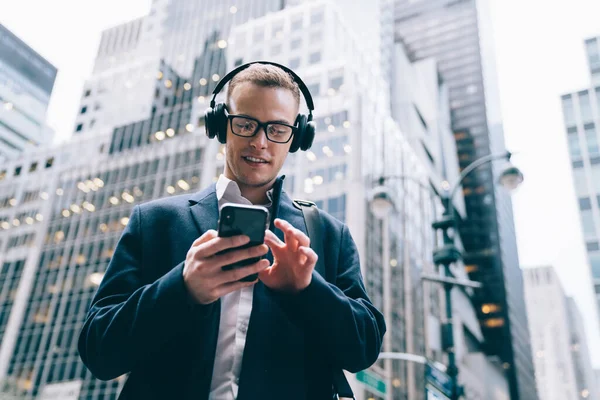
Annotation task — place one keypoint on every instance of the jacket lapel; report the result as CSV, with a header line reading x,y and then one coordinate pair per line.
x,y
205,209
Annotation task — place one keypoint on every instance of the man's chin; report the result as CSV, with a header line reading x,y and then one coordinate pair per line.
x,y
257,182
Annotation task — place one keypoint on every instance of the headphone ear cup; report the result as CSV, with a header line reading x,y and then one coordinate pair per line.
x,y
299,135
209,123
308,136
221,123
216,123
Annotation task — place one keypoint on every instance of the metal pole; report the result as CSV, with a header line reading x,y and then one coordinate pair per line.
x,y
387,305
448,333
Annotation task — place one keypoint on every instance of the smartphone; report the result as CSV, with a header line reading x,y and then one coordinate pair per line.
x,y
241,219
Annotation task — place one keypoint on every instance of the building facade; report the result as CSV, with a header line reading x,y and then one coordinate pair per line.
x,y
562,364
581,112
457,34
26,82
587,387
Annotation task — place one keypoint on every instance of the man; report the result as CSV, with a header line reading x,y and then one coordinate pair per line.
x,y
167,314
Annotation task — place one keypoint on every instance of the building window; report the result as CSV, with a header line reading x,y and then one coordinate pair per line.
x,y
79,128
574,147
259,35
277,30
2,174
87,93
314,88
579,178
294,62
592,140
336,82
337,207
297,23
276,50
238,62
592,246
595,178
314,57
295,43
33,167
316,17
83,110
585,107
587,223
18,171
595,265
49,162
585,203
568,111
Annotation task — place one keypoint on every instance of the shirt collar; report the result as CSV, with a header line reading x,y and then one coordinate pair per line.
x,y
228,191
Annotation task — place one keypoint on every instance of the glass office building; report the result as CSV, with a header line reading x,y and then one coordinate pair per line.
x,y
581,112
26,82
458,35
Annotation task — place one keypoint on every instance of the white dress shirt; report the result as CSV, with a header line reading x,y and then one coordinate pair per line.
x,y
235,315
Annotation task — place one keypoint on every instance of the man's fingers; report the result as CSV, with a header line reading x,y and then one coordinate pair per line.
x,y
239,255
217,244
236,274
292,234
206,236
288,232
311,256
272,240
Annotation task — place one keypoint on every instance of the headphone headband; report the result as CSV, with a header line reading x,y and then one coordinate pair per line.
x,y
301,85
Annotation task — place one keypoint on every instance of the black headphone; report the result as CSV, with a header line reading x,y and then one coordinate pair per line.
x,y
216,122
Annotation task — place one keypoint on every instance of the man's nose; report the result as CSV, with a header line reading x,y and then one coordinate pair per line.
x,y
260,140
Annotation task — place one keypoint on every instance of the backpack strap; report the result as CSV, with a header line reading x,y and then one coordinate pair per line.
x,y
312,219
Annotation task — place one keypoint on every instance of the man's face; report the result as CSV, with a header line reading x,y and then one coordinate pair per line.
x,y
264,104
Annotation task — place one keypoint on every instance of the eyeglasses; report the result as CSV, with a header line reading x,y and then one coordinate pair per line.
x,y
277,132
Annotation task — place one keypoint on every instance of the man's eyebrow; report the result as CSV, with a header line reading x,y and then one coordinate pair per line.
x,y
276,121
281,121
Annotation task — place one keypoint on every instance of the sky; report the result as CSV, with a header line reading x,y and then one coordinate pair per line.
x,y
539,53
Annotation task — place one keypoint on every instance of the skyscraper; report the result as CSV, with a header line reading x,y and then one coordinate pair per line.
x,y
458,35
584,373
26,82
581,112
562,362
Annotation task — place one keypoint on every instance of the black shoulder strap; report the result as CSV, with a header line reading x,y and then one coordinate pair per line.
x,y
312,219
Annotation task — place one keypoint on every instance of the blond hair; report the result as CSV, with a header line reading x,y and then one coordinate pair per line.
x,y
265,75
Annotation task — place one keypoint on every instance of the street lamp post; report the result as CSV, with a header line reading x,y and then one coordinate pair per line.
x,y
448,253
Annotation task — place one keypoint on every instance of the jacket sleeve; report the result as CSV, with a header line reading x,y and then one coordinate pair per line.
x,y
340,317
129,318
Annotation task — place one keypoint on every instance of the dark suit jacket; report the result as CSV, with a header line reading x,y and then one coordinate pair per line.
x,y
142,321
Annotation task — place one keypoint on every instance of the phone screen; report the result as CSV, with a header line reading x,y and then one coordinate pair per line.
x,y
246,220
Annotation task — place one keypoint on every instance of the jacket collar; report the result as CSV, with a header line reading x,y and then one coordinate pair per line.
x,y
205,208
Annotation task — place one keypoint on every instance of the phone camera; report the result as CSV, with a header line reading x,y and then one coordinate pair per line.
x,y
228,218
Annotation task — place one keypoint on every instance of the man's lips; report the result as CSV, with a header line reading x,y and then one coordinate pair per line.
x,y
256,160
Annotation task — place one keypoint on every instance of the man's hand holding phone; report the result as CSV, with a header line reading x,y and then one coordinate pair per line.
x,y
203,275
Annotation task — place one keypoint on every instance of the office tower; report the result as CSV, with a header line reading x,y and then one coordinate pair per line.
x,y
562,364
131,56
26,82
458,35
581,113
587,386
